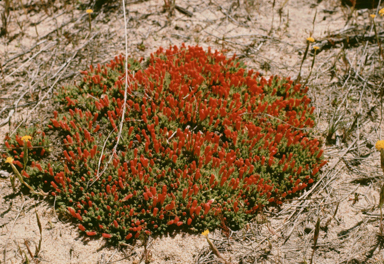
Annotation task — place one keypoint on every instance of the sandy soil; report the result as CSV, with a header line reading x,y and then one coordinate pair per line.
x,y
48,43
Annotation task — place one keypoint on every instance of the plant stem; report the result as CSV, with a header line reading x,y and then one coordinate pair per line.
x,y
378,41
302,62
26,184
313,63
90,24
25,155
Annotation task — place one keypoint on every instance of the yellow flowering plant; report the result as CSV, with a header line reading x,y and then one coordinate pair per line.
x,y
213,248
25,151
26,140
205,233
89,12
310,39
316,48
379,145
9,160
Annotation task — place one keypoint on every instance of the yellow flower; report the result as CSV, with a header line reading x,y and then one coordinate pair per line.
x,y
372,15
9,160
381,12
310,39
316,48
379,145
26,138
205,233
89,11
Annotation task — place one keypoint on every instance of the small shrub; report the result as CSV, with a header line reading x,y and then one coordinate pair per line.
x,y
204,142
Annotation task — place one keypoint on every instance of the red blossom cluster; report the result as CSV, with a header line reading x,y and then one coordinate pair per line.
x,y
203,139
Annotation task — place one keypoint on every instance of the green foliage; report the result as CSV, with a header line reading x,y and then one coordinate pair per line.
x,y
204,143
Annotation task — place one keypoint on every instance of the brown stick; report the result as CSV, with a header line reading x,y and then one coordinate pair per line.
x,y
183,11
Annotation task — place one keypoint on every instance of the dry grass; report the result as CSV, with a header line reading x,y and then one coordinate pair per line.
x,y
47,43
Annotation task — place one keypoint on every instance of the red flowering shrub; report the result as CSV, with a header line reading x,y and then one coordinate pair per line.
x,y
203,141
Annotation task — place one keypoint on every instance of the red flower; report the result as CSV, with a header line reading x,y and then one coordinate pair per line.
x,y
93,233
79,217
129,196
106,235
315,170
206,208
155,210
54,186
211,179
72,211
197,211
7,145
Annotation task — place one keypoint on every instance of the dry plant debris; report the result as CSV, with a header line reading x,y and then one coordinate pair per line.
x,y
47,42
